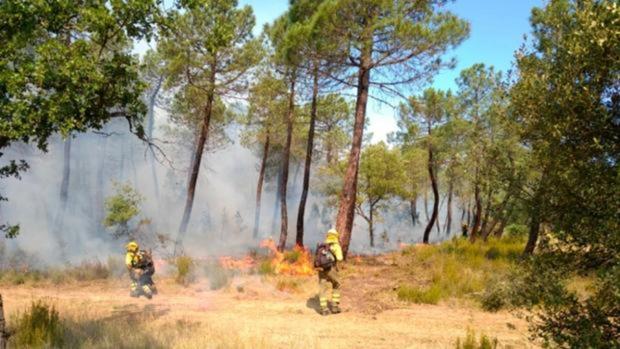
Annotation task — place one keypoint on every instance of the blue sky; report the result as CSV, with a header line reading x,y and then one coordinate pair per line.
x,y
497,29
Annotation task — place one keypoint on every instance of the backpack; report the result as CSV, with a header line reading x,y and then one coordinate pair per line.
x,y
324,257
146,262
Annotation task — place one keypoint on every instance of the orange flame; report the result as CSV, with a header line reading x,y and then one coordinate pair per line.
x,y
298,261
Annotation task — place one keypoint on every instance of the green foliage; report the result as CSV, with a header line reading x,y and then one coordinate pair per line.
x,y
430,295
266,268
566,99
461,269
122,206
38,327
470,342
68,67
185,270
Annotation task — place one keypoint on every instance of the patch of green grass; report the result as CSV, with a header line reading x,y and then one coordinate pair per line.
x,y
266,268
430,295
184,270
460,269
38,327
470,342
292,256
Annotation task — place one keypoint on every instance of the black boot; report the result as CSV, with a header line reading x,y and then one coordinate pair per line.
x,y
325,311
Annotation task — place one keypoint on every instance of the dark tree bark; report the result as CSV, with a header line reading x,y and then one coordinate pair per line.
x,y
346,205
413,210
448,226
195,165
259,186
487,214
64,199
431,173
371,228
286,157
535,220
299,240
478,213
276,205
4,333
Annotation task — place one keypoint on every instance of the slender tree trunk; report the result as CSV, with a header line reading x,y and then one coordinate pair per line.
x,y
276,205
448,227
64,199
469,214
150,126
497,220
500,231
346,205
259,186
309,149
286,157
4,333
413,211
487,213
195,167
431,173
535,216
371,228
478,213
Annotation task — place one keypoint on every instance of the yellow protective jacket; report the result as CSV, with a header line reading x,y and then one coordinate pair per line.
x,y
334,246
132,259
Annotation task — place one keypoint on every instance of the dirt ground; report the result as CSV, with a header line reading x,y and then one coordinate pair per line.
x,y
253,307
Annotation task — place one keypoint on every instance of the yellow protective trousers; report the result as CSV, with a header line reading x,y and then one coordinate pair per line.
x,y
329,278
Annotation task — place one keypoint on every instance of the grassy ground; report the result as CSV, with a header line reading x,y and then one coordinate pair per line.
x,y
420,297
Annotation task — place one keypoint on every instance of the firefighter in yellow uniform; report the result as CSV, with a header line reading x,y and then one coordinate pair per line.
x,y
329,276
132,261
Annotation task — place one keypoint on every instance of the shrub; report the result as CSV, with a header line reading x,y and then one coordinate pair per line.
x,y
292,256
38,327
185,270
266,268
516,231
494,298
89,271
431,295
492,253
287,284
470,342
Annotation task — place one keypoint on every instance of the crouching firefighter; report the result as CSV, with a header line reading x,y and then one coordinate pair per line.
x,y
141,269
328,254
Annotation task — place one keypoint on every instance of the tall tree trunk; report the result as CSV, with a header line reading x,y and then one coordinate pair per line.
x,y
413,210
150,126
487,213
500,231
535,216
448,226
469,214
496,220
299,240
431,173
276,205
4,333
346,204
286,157
478,213
64,199
259,186
371,228
195,167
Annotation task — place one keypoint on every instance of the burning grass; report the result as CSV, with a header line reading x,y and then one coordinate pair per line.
x,y
296,262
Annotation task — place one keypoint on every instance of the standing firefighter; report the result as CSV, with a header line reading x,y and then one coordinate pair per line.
x,y
141,270
328,254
